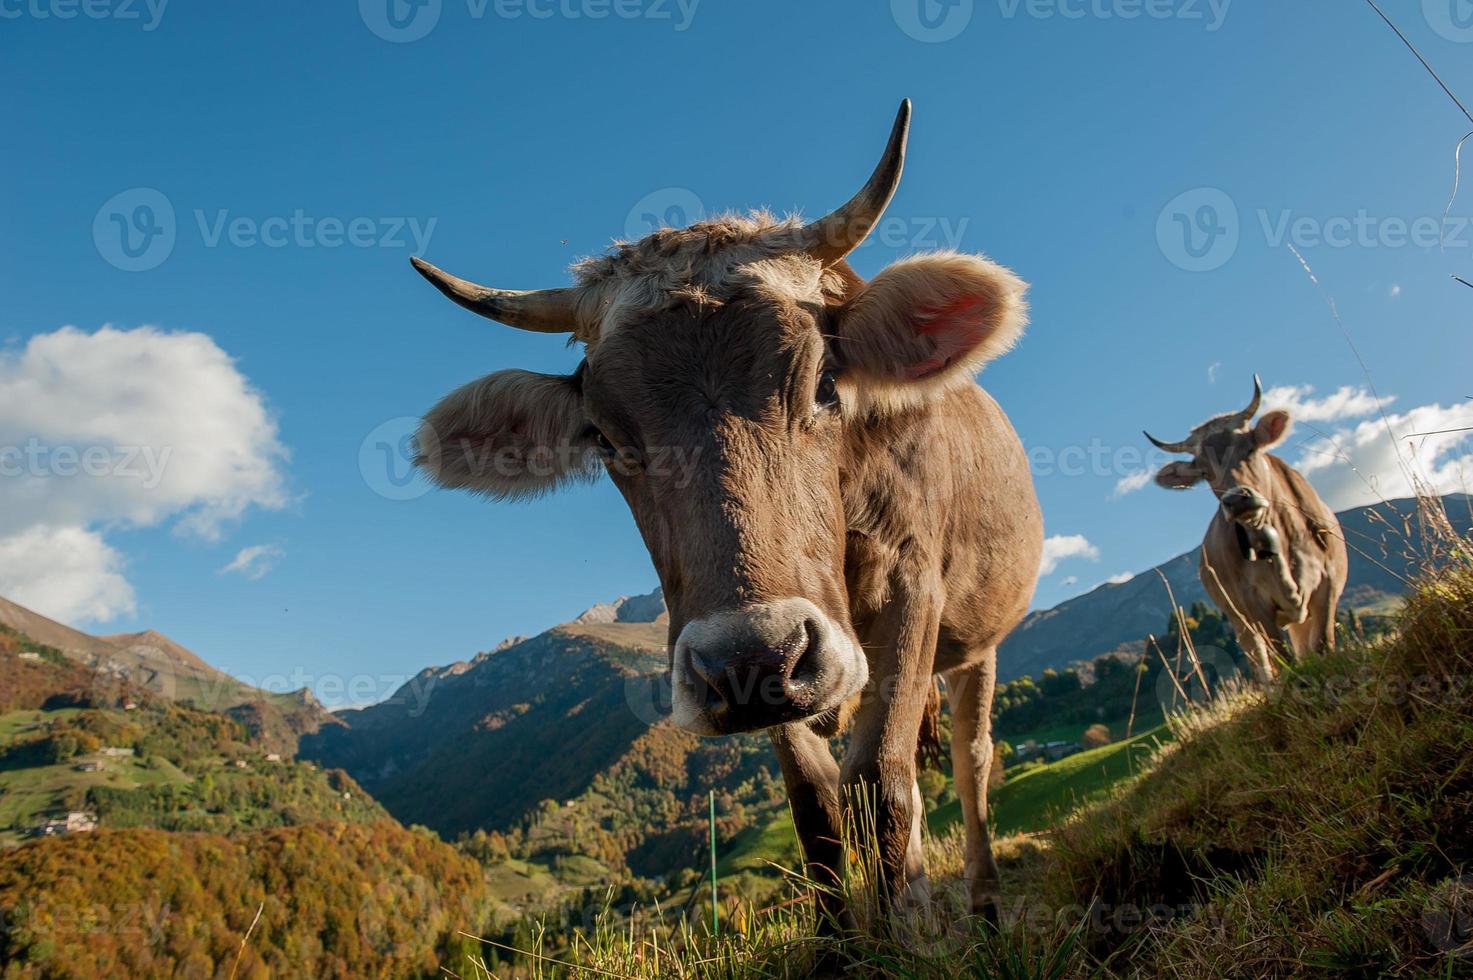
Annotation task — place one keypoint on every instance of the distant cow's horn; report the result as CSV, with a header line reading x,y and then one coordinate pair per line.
x,y
1246,415
1168,447
539,310
831,238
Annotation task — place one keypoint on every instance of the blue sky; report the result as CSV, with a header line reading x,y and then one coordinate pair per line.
x,y
307,150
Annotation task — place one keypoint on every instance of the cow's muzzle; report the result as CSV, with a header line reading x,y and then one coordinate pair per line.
x,y
1244,505
764,665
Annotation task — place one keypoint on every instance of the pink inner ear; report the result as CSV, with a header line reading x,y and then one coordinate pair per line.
x,y
1272,428
955,329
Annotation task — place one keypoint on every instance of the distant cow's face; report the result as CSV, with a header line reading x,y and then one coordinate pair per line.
x,y
723,363
1228,454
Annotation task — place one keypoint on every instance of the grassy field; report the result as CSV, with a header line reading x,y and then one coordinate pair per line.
x,y
1039,797
1034,800
1316,828
29,794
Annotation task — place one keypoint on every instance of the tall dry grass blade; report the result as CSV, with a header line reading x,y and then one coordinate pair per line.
x,y
246,938
1425,64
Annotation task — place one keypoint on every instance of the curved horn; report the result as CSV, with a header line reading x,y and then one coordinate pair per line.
x,y
1167,447
1246,415
831,238
539,310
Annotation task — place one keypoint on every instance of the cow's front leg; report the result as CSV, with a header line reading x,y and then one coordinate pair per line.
x,y
970,691
880,766
812,779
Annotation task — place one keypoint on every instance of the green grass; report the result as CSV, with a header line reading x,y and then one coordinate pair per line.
x,y
13,723
1039,797
1034,800
758,847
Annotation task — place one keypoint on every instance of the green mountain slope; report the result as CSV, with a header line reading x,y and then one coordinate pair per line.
x,y
155,663
74,740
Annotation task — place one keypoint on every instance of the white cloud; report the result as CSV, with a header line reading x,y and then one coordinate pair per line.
x,y
1349,402
1395,290
255,561
1359,465
67,573
1212,370
1062,547
125,428
1120,579
1132,482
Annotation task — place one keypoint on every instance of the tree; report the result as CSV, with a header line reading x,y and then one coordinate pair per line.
x,y
1095,736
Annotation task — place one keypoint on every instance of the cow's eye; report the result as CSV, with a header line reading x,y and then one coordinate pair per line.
x,y
601,443
827,395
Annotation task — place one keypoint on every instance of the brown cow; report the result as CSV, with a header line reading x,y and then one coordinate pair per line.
x,y
1274,557
836,511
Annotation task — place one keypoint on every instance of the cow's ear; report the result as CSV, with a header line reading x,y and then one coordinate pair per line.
x,y
1179,476
510,434
925,324
1272,428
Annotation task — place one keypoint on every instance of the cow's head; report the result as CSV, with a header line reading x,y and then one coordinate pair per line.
x,y
723,363
1228,452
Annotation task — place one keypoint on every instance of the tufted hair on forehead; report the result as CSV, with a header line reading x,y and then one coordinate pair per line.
x,y
707,263
1228,422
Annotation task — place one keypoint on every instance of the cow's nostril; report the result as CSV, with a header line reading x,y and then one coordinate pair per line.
x,y
804,671
707,678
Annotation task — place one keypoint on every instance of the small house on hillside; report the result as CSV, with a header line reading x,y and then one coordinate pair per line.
x,y
29,655
91,765
75,822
